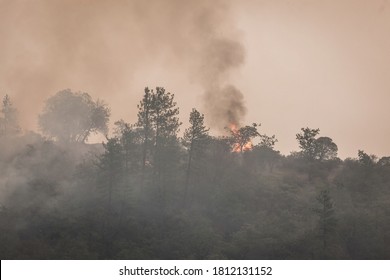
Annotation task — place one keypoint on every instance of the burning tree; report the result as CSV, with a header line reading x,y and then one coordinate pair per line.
x,y
242,137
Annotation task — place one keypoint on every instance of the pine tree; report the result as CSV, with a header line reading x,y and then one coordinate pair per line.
x,y
145,124
327,220
158,119
9,123
192,139
166,126
110,181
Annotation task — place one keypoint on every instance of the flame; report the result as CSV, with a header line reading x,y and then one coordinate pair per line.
x,y
236,146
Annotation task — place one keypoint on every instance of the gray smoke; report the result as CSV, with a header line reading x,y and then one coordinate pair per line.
x,y
99,46
224,103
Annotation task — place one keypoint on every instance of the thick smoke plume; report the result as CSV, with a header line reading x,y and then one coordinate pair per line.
x,y
101,46
224,103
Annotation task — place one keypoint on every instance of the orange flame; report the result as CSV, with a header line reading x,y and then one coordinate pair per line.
x,y
236,146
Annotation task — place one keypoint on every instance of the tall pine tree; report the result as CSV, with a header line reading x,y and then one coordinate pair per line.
x,y
192,139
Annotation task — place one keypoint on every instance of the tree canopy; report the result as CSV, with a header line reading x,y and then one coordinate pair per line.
x,y
73,116
322,148
146,193
241,137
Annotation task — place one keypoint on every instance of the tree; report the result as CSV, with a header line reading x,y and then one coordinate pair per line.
x,y
193,136
8,123
268,141
159,122
327,220
164,115
130,139
322,148
145,124
307,141
264,152
165,123
110,177
325,149
384,161
73,117
365,159
243,136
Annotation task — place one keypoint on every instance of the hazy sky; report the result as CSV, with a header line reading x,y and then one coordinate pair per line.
x,y
287,64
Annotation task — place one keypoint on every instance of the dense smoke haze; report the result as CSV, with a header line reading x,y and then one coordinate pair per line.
x,y
288,64
100,46
194,129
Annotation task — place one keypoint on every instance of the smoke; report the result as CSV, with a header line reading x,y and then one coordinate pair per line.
x,y
101,46
224,103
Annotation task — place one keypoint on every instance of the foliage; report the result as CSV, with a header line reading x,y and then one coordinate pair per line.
x,y
322,148
73,117
268,141
192,198
307,140
197,131
366,159
326,216
9,120
194,139
243,135
159,124
325,149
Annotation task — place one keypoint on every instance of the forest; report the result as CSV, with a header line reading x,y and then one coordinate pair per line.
x,y
152,191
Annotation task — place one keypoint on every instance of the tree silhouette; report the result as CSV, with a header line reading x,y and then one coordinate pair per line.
x,y
365,159
8,123
268,141
325,149
242,136
322,148
73,117
159,122
192,139
307,141
145,124
110,179
327,220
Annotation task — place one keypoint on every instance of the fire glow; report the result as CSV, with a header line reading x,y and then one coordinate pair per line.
x,y
240,145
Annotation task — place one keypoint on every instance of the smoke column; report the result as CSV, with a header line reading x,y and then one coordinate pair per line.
x,y
224,103
99,46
